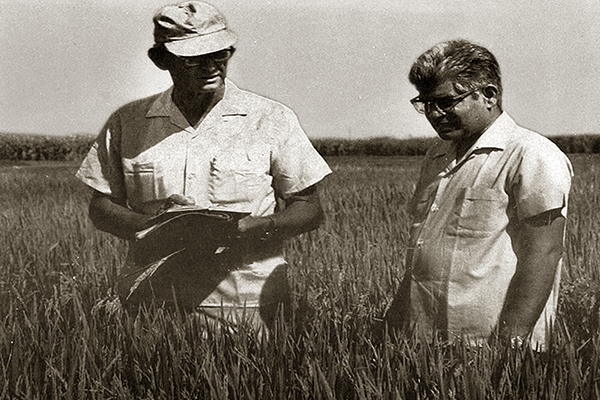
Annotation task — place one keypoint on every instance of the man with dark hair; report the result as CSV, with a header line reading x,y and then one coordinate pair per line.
x,y
488,211
204,144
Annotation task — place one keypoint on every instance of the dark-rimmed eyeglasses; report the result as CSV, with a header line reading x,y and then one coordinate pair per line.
x,y
443,105
205,59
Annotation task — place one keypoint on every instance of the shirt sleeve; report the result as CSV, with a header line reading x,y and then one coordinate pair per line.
x,y
102,169
544,181
296,164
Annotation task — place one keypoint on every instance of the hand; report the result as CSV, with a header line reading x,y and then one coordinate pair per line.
x,y
254,227
156,207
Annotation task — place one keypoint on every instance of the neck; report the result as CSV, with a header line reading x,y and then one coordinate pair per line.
x,y
195,106
463,145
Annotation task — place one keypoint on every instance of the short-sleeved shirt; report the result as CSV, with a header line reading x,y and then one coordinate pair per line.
x,y
246,152
461,253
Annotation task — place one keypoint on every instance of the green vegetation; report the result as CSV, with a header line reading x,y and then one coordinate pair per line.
x,y
17,147
373,147
571,144
62,337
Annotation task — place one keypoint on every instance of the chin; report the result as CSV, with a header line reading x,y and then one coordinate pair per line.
x,y
452,135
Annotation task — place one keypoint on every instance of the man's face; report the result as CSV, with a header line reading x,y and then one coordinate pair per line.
x,y
201,74
465,121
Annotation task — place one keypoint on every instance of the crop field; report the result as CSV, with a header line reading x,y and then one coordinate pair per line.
x,y
62,335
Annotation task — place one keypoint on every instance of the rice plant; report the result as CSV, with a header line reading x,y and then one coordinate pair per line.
x,y
63,335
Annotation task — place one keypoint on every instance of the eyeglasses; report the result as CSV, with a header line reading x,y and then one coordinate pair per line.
x,y
443,105
205,59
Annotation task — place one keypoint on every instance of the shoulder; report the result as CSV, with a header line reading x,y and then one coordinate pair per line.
x,y
540,173
129,117
139,106
256,103
537,160
532,144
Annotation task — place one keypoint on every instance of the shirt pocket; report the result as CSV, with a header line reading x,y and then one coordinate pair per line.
x,y
479,213
144,182
241,178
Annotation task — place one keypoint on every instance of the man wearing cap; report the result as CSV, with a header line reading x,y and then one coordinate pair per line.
x,y
207,143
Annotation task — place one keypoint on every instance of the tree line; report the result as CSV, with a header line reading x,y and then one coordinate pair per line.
x,y
589,143
22,147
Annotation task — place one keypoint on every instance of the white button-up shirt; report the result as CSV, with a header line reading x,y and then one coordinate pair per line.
x,y
462,257
246,152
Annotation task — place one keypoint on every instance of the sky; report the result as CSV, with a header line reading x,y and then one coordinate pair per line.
x,y
341,65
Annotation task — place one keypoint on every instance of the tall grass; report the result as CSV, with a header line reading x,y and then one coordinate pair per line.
x,y
62,336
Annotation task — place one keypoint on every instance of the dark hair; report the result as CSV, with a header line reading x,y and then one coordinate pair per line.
x,y
160,56
468,65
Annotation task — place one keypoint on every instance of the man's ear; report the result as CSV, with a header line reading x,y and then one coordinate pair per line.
x,y
490,94
159,57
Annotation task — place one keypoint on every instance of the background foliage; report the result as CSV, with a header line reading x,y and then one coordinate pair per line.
x,y
17,147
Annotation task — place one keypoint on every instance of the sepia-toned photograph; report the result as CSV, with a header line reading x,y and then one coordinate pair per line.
x,y
308,199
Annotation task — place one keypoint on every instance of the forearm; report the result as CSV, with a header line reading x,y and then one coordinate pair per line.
x,y
531,285
525,300
111,216
299,217
302,213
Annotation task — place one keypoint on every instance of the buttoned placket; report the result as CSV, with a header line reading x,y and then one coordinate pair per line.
x,y
444,178
197,148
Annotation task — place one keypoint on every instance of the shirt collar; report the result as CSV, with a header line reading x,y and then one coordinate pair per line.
x,y
496,136
232,104
164,106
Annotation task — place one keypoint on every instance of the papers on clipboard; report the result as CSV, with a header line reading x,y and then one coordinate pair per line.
x,y
191,215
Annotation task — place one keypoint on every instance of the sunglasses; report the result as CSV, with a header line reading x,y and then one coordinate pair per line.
x,y
206,59
443,105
